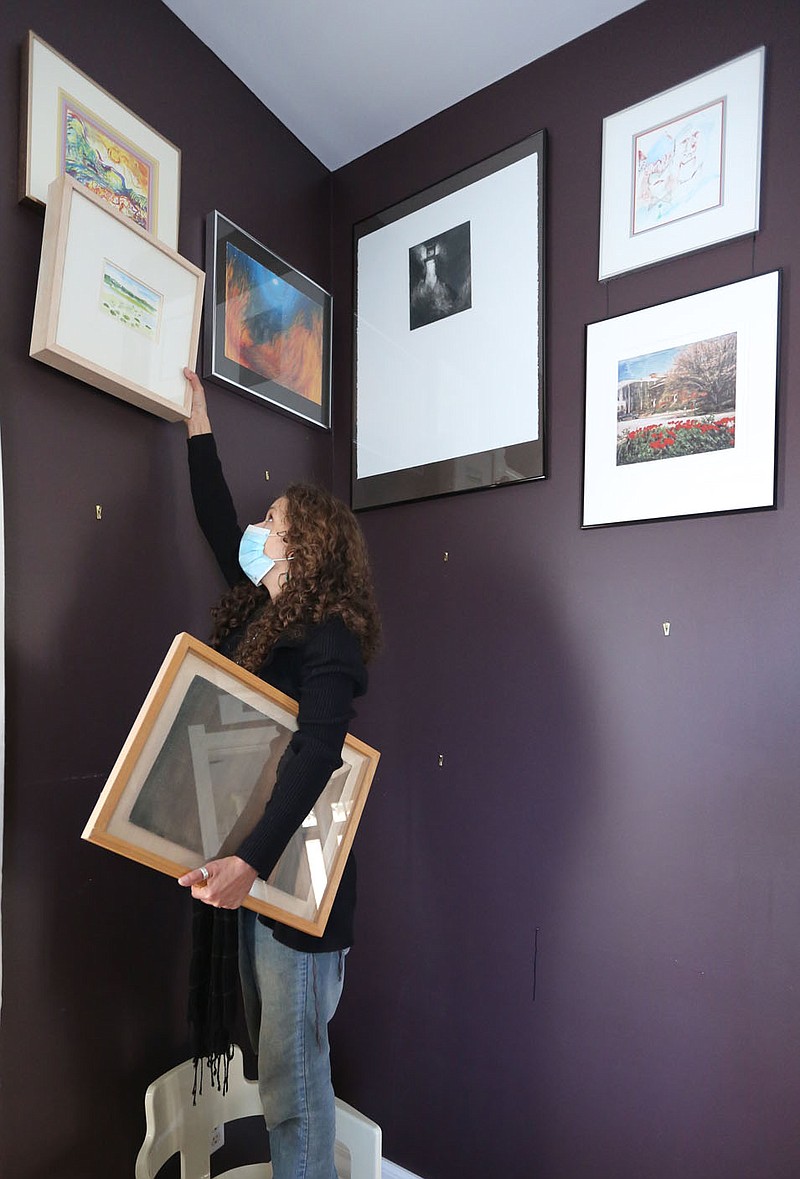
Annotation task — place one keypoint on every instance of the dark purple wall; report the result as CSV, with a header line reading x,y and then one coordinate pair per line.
x,y
95,947
634,798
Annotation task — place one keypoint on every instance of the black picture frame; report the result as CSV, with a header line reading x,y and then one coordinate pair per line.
x,y
273,341
452,398
681,407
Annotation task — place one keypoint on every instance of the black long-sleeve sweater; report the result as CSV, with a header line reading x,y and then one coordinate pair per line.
x,y
322,670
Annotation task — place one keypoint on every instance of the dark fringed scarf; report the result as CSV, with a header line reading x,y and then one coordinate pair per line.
x,y
213,992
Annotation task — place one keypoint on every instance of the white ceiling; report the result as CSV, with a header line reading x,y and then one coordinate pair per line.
x,y
347,75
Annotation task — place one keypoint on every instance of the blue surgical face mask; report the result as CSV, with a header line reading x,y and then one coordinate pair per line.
x,y
252,558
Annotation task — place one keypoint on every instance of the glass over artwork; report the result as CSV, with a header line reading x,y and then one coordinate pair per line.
x,y
115,307
440,277
130,302
72,127
449,349
681,407
268,327
681,170
214,775
198,771
677,401
271,327
99,157
678,168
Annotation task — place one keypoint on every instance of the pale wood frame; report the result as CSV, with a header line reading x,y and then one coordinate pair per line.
x,y
124,123
138,756
44,342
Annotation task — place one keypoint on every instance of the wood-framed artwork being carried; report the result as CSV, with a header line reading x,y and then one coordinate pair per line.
x,y
681,407
682,170
449,334
267,326
197,770
115,306
71,126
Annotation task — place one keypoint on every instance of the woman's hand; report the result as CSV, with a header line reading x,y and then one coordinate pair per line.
x,y
199,422
227,883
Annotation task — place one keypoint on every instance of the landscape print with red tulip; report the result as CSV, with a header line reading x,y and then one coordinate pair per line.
x,y
677,402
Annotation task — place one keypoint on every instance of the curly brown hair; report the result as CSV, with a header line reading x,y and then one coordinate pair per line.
x,y
329,575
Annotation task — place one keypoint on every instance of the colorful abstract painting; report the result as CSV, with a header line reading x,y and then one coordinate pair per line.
x,y
678,168
130,302
108,165
272,328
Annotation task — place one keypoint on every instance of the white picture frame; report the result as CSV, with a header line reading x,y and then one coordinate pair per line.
x,y
115,307
59,103
682,170
661,442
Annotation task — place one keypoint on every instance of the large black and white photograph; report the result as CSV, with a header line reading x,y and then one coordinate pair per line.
x,y
439,277
449,365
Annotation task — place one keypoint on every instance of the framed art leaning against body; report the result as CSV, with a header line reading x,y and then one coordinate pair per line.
x,y
198,769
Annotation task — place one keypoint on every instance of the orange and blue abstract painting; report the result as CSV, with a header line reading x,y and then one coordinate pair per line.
x,y
272,328
99,158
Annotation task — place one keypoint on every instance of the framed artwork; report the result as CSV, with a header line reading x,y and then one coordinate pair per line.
x,y
682,170
115,307
449,334
197,770
71,126
680,407
267,327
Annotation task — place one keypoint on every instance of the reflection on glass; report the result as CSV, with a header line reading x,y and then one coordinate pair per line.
x,y
307,862
214,773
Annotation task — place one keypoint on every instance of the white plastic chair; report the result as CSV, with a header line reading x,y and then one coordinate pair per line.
x,y
175,1125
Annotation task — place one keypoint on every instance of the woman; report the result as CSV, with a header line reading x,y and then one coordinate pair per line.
x,y
303,619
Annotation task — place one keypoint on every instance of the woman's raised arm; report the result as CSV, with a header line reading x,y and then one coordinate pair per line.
x,y
199,422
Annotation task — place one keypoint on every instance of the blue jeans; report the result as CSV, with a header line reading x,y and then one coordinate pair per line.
x,y
289,997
